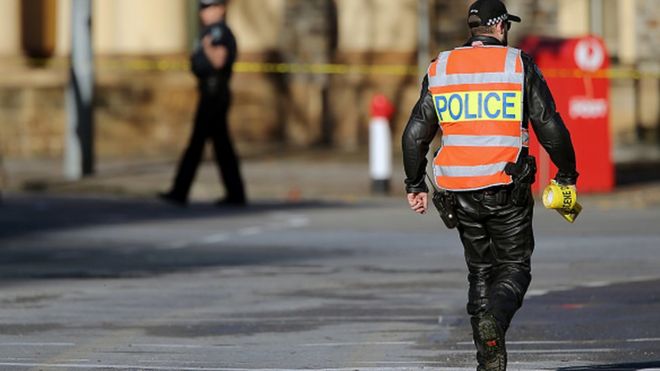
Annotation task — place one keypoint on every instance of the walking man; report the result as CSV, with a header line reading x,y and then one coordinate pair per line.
x,y
212,64
482,96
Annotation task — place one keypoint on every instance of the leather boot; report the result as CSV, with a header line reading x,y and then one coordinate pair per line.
x,y
489,340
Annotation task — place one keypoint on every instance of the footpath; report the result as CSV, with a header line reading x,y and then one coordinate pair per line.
x,y
290,176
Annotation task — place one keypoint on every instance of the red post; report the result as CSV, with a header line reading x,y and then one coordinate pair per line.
x,y
380,144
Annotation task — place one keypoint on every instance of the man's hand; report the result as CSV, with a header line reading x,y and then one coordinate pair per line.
x,y
217,55
419,202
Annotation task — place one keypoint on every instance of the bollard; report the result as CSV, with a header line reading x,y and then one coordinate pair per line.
x,y
380,144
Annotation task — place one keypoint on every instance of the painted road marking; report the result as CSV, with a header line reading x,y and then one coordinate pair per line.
x,y
541,342
37,344
559,342
173,368
250,231
643,340
367,343
512,351
187,346
290,221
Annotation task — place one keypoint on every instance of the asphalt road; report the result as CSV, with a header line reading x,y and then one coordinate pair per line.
x,y
89,283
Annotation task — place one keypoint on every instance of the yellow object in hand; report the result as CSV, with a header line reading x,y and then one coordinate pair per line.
x,y
563,199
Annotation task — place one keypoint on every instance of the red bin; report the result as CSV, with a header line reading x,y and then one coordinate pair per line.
x,y
576,72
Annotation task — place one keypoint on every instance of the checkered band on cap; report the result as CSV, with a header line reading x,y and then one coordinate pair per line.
x,y
496,20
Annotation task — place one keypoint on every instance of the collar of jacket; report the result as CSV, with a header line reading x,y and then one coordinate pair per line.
x,y
487,40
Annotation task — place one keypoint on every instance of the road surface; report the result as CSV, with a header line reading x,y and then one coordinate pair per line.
x,y
103,283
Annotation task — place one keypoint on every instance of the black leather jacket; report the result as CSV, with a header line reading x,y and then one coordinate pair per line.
x,y
539,109
211,81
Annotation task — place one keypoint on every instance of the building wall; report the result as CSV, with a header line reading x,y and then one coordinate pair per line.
x,y
257,23
627,43
573,18
130,27
161,26
377,25
132,104
9,26
647,24
153,27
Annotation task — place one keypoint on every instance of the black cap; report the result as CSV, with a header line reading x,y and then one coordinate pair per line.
x,y
489,13
204,3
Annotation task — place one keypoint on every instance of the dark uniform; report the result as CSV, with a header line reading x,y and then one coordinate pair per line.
x,y
211,122
495,226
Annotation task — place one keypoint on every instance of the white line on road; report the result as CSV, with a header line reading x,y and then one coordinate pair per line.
x,y
558,342
215,238
643,340
185,346
367,343
26,359
416,365
596,284
298,221
37,344
174,368
291,221
539,342
250,231
560,351
514,351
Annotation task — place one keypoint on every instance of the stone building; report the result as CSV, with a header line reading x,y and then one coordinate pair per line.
x,y
145,97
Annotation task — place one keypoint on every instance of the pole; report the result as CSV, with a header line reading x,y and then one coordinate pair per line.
x,y
380,155
423,35
596,17
79,148
380,144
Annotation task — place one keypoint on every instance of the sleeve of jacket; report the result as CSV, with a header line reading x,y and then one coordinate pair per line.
x,y
547,123
418,135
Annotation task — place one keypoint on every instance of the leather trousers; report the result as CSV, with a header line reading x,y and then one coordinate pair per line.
x,y
498,240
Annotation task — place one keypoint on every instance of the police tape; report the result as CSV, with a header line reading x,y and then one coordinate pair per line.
x,y
179,64
264,68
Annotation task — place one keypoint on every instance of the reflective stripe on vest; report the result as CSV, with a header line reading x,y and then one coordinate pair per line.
x,y
478,96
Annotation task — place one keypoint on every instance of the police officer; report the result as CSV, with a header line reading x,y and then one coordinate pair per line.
x,y
482,96
212,63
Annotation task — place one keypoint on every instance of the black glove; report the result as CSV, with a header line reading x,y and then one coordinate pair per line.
x,y
566,178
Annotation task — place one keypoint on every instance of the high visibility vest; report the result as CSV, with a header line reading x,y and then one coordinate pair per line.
x,y
478,95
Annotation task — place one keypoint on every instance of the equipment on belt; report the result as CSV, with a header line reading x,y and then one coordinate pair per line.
x,y
562,198
523,174
445,203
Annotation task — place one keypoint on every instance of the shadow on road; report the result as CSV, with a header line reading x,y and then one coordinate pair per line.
x,y
26,252
106,261
637,173
26,214
618,367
